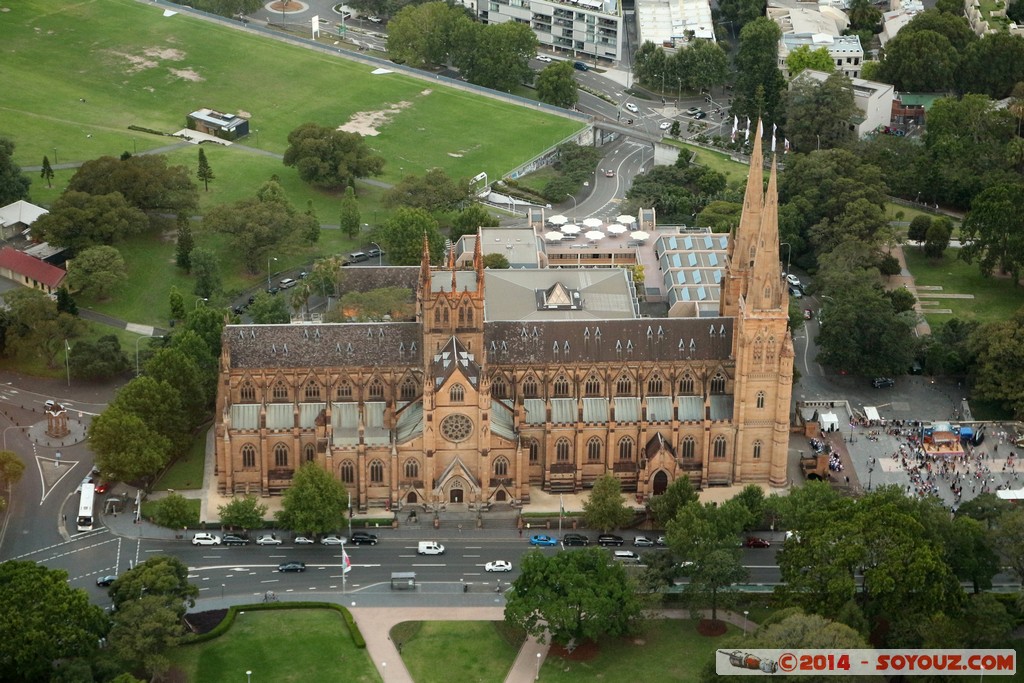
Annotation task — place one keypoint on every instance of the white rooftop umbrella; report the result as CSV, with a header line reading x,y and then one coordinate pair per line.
x,y
570,229
553,236
616,229
592,222
626,219
639,235
594,235
557,219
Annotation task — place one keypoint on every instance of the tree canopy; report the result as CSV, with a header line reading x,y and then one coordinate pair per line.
x,y
13,183
495,55
819,115
97,272
604,508
434,191
402,237
556,84
245,513
315,503
147,182
759,83
80,220
805,58
330,158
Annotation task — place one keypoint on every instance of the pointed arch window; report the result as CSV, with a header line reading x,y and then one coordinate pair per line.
x,y
594,449
312,391
309,452
654,386
280,392
561,387
437,316
376,389
593,386
248,456
534,448
446,316
247,393
718,383
689,448
376,472
530,388
624,387
344,392
769,352
412,469
348,472
719,448
280,455
758,349
457,394
462,316
469,315
757,450
562,450
408,392
760,399
499,389
501,467
686,385
625,448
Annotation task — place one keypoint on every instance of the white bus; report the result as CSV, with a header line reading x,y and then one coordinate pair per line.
x,y
85,507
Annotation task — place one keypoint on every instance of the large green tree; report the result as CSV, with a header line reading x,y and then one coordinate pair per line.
x,y
143,631
805,58
425,34
666,506
36,328
402,237
97,272
434,191
702,65
556,84
244,513
604,508
315,503
127,449
80,220
350,220
573,597
175,512
43,620
998,350
920,61
759,83
206,271
100,359
819,115
993,65
204,172
993,231
159,405
330,158
862,334
163,576
13,183
741,12
471,219
496,56
148,182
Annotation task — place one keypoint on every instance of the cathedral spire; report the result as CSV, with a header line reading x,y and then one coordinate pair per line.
x,y
768,289
750,220
425,265
478,259
451,266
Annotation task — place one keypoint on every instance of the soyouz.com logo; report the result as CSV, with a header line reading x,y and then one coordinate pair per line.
x,y
765,662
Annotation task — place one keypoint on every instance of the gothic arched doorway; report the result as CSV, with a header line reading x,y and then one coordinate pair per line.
x,y
500,496
660,483
455,494
411,498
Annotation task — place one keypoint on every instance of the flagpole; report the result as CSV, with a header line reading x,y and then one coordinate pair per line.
x,y
343,568
561,511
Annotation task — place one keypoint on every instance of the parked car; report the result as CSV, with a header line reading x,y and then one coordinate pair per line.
x,y
498,566
543,58
883,382
580,66
203,538
665,125
660,541
302,540
363,538
268,539
105,581
288,282
808,314
643,542
610,539
692,111
273,290
795,292
291,567
626,556
793,280
332,540
233,539
575,540
373,19
632,107
543,539
700,115
755,542
103,488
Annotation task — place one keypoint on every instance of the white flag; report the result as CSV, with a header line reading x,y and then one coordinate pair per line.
x,y
346,562
735,126
774,128
785,145
746,135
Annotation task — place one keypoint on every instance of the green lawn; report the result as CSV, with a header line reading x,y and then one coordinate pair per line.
x,y
664,650
149,508
473,651
735,173
298,645
187,471
995,298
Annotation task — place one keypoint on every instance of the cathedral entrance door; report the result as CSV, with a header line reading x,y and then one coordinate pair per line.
x,y
455,495
660,483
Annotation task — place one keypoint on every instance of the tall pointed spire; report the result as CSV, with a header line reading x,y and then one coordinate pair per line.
x,y
750,220
425,265
768,290
478,259
451,266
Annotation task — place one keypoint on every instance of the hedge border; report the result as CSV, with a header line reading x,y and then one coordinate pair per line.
x,y
233,611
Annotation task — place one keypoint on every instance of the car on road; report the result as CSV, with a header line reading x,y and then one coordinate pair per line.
x,y
268,539
609,173
273,290
203,538
643,542
498,566
543,58
575,540
232,539
795,292
692,111
632,107
793,280
610,539
665,125
626,556
808,314
291,567
87,480
660,541
302,540
103,488
105,581
755,542
700,115
543,539
288,282
374,19
332,540
883,382
580,66
363,538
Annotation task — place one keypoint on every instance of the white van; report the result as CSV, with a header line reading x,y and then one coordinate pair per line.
x,y
626,556
430,548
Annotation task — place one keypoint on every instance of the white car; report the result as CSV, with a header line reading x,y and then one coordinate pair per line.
x,y
543,58
375,20
332,540
665,125
203,538
632,107
303,540
793,280
498,566
268,539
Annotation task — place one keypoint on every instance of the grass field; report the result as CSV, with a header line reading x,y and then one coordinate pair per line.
x,y
735,173
187,471
995,298
282,646
473,650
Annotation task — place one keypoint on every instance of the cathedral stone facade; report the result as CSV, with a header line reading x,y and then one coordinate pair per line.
x,y
552,382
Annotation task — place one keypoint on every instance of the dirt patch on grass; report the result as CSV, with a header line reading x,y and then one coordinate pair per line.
x,y
711,628
136,63
168,53
366,122
584,652
204,622
187,74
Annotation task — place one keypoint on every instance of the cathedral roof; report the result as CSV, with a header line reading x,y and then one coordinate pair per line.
x,y
397,345
451,357
517,294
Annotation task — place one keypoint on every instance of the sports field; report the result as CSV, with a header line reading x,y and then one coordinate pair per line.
x,y
78,74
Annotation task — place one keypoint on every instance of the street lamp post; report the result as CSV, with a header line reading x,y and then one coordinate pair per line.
x,y
384,671
745,613
379,254
537,677
257,131
196,307
870,471
248,677
789,254
67,359
573,205
271,258
55,157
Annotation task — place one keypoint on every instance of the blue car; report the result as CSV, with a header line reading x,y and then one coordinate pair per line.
x,y
542,539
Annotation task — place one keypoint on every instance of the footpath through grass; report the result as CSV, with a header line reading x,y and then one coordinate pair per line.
x,y
464,651
995,298
283,646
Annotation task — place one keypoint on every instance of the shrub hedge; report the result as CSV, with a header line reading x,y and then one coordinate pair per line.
x,y
233,611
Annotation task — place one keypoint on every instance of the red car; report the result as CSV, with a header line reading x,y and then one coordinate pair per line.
x,y
754,542
103,488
